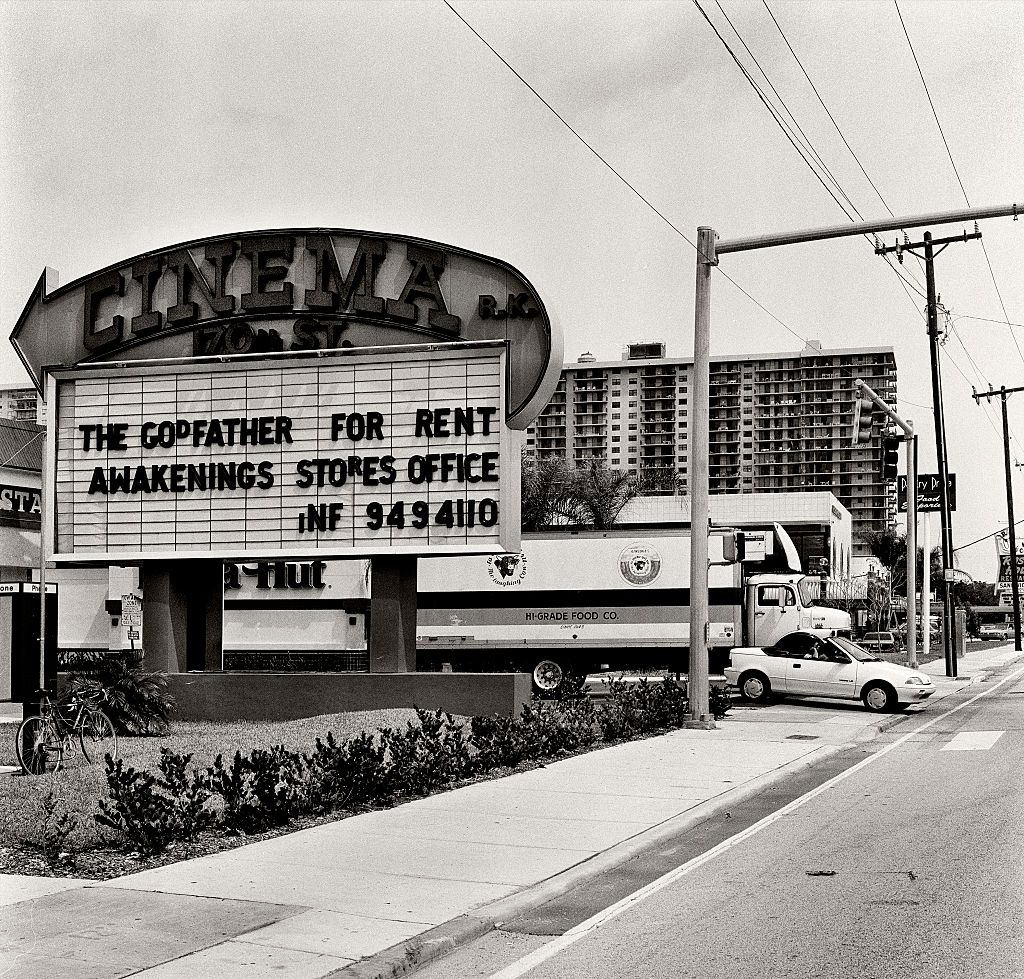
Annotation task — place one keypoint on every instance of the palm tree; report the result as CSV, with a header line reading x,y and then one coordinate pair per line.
x,y
556,494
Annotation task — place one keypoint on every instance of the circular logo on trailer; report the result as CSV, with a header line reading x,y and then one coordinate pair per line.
x,y
507,569
639,564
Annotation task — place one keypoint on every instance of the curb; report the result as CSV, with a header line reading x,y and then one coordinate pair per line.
x,y
416,952
410,955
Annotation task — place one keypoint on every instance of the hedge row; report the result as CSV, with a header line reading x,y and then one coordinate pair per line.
x,y
266,789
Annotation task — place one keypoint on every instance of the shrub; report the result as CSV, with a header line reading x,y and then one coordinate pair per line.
x,y
502,741
259,790
346,774
58,824
425,756
638,708
562,727
136,700
719,702
154,810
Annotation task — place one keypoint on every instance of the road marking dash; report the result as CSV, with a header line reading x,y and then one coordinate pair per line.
x,y
973,741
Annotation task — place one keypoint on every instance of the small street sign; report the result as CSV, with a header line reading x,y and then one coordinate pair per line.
x,y
957,576
928,495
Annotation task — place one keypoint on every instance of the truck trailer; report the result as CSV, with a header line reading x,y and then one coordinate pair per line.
x,y
574,601
567,603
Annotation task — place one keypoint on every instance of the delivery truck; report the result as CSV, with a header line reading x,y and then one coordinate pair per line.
x,y
567,603
573,601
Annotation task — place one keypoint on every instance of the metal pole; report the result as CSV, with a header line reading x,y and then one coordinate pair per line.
x,y
926,587
700,410
42,569
940,455
1014,584
866,227
911,444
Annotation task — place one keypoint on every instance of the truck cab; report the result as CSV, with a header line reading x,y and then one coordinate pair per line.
x,y
780,603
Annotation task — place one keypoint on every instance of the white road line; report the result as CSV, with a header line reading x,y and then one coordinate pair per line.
x,y
973,741
573,935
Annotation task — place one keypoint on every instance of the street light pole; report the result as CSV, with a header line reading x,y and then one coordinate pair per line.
x,y
708,251
697,689
864,390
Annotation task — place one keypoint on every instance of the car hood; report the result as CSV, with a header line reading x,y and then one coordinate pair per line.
x,y
888,671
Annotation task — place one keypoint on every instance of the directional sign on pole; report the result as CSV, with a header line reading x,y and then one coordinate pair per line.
x,y
928,495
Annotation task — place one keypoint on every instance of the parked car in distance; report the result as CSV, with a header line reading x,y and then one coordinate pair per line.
x,y
805,665
878,642
995,632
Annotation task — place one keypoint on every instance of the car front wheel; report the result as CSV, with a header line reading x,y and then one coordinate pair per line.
x,y
879,697
755,686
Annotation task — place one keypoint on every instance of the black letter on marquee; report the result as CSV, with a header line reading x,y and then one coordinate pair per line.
x,y
427,265
108,284
259,249
189,275
357,289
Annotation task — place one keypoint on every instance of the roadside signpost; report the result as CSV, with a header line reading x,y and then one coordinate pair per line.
x,y
929,498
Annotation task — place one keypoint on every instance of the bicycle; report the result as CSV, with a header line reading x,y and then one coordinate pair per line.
x,y
44,738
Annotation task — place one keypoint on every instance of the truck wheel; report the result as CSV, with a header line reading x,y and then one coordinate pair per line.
x,y
547,676
755,686
879,698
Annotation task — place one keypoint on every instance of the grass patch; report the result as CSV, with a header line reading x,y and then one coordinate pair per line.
x,y
78,786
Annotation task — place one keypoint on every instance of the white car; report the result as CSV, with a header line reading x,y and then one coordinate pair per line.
x,y
995,632
805,665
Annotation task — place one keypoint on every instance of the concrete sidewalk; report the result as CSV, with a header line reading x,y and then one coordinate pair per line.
x,y
313,902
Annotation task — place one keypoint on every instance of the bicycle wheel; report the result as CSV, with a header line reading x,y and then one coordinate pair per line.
x,y
97,736
39,746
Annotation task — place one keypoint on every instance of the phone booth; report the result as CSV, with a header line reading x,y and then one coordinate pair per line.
x,y
19,640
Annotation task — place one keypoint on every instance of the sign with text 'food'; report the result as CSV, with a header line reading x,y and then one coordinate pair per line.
x,y
344,454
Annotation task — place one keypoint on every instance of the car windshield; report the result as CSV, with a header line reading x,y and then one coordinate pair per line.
x,y
810,591
854,650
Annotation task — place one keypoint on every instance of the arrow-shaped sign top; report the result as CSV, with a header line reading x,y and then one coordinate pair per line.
x,y
44,332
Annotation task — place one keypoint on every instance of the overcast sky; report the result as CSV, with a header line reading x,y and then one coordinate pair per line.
x,y
131,126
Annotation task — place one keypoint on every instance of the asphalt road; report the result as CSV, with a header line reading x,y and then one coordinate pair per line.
x,y
909,864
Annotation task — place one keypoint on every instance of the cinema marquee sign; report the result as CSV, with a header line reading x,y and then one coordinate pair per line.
x,y
297,290
339,454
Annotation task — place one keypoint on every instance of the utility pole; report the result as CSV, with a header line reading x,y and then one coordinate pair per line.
x,y
708,252
946,530
864,391
1014,582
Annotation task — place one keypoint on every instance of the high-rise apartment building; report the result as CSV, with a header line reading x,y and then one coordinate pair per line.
x,y
19,404
778,422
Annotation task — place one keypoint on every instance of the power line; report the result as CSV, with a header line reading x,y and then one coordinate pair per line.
x,y
771,109
899,13
987,319
980,375
832,119
825,107
788,130
782,102
987,536
952,163
614,171
960,371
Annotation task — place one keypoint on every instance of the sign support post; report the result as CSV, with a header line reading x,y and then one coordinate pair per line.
x,y
926,585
